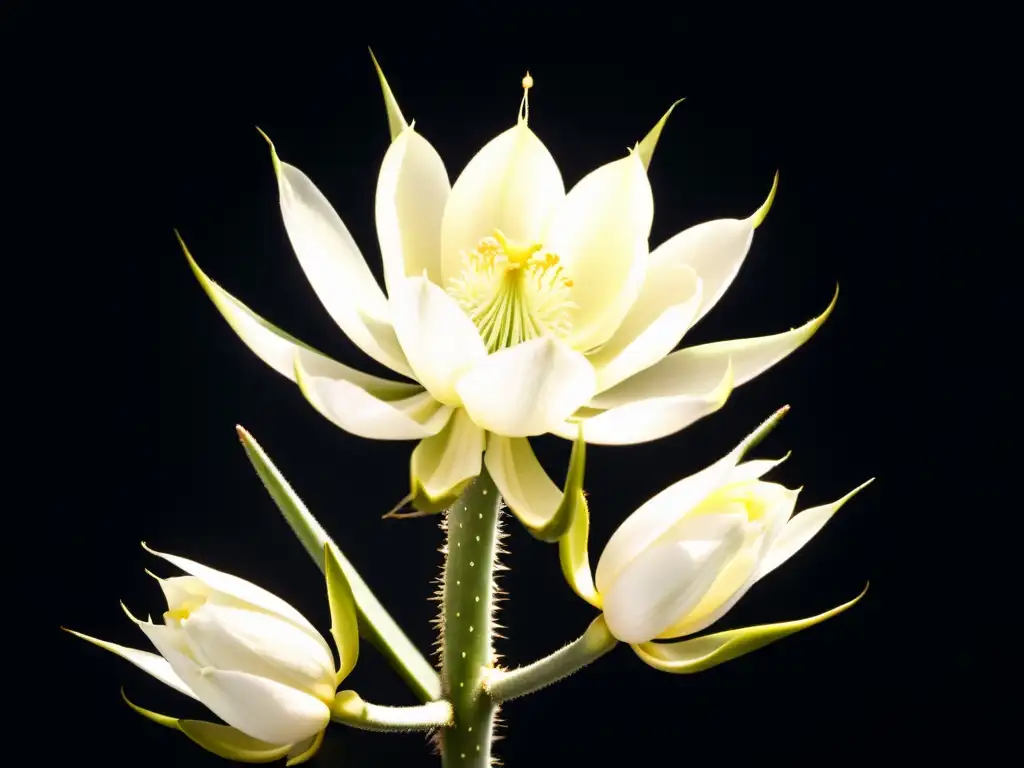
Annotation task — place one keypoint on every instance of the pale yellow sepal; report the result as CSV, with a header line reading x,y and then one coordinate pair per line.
x,y
344,623
544,510
645,149
700,653
396,122
573,555
305,751
223,740
443,465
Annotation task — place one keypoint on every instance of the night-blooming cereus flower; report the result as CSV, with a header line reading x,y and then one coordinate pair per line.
x,y
250,658
519,309
684,558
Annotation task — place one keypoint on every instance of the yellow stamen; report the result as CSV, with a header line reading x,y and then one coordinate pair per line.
x,y
513,292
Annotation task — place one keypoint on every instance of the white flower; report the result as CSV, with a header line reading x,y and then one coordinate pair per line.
x,y
519,309
248,656
686,556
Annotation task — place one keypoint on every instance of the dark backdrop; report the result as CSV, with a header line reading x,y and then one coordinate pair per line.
x,y
891,139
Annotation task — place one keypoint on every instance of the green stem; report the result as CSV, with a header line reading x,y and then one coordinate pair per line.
x,y
467,606
350,709
592,645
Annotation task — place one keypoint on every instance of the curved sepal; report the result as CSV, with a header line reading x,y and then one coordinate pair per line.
x,y
375,623
700,653
396,121
305,750
344,623
222,740
443,465
573,555
646,147
759,215
545,511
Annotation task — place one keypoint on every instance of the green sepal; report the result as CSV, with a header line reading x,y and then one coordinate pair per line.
x,y
374,622
344,622
700,653
396,121
572,495
646,147
574,558
222,740
305,751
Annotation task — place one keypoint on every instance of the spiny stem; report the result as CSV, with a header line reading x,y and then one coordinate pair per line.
x,y
468,604
592,645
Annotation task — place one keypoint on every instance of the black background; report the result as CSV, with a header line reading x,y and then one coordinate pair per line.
x,y
893,140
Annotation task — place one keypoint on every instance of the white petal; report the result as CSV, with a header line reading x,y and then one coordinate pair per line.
x,y
157,666
512,184
262,708
335,268
524,485
665,510
262,644
644,420
652,328
438,338
449,458
527,389
665,582
600,235
237,588
357,411
412,191
277,348
714,249
656,517
801,529
732,582
179,590
697,368
755,469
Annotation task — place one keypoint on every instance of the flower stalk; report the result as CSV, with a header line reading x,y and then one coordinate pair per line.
x,y
503,685
467,620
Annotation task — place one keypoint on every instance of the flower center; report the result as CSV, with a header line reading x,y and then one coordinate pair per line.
x,y
512,292
184,610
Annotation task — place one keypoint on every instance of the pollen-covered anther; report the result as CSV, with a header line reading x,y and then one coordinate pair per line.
x,y
513,292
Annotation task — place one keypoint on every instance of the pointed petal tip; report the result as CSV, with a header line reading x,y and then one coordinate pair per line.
x,y
759,215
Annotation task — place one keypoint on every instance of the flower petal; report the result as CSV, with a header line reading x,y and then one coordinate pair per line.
x,y
801,529
664,510
696,368
714,249
334,266
261,708
545,511
443,465
527,389
665,582
396,122
278,348
262,644
755,469
652,328
512,184
412,191
157,666
359,412
645,149
650,419
600,235
702,653
439,339
344,620
239,589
